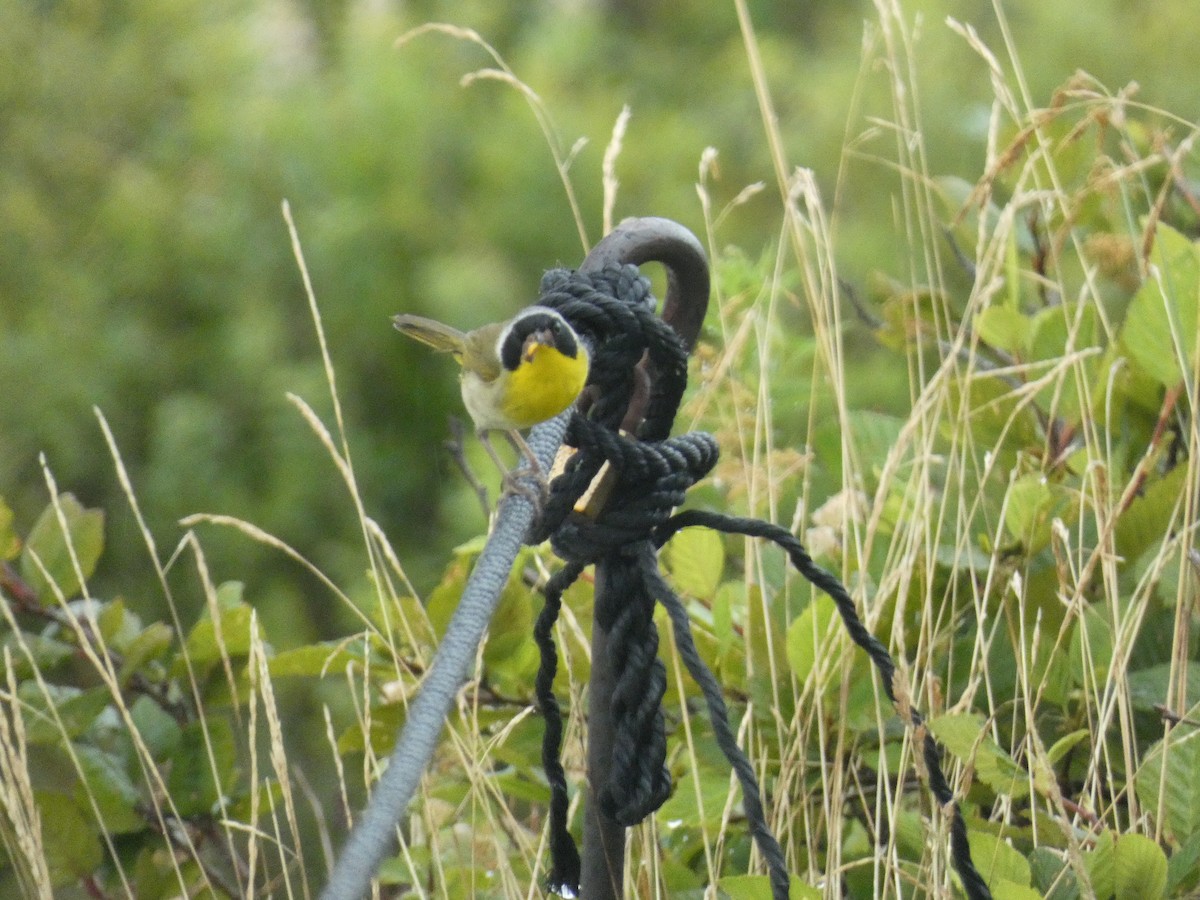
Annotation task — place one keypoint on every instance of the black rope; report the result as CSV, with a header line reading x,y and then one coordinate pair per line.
x,y
564,855
613,310
960,849
726,740
639,781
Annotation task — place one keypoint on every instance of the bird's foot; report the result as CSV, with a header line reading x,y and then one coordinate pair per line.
x,y
527,482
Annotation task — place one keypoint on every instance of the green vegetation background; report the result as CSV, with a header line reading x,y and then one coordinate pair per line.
x,y
146,146
145,270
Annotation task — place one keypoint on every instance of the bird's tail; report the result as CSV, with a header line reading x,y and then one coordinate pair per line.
x,y
435,334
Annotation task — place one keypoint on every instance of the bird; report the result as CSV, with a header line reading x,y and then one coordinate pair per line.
x,y
515,374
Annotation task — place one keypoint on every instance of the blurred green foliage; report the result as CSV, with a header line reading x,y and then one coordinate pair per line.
x,y
144,267
145,270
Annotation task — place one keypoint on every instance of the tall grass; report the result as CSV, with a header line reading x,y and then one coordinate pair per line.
x,y
926,513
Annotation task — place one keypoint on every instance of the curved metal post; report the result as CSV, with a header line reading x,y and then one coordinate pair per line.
x,y
652,239
634,241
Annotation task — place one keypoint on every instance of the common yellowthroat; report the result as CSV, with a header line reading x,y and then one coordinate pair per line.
x,y
515,374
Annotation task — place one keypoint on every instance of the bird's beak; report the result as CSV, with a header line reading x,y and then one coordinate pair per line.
x,y
543,338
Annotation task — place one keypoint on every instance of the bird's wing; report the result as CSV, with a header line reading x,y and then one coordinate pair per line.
x,y
479,351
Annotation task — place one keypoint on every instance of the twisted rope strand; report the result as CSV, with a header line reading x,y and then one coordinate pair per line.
x,y
719,716
564,856
960,850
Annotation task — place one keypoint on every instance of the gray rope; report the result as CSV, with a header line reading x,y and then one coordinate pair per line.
x,y
374,835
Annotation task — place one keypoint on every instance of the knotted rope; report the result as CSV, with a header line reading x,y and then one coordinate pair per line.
x,y
613,310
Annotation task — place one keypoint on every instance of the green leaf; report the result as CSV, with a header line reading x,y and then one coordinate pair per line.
x,y
1003,889
204,767
1089,664
106,783
1160,326
746,887
1101,866
1148,687
386,722
1045,779
959,200
73,711
1183,869
758,887
910,829
1032,504
967,558
1127,866
116,623
151,879
231,595
874,434
69,839
1055,329
210,642
404,614
729,596
521,748
396,870
10,544
47,541
998,419
510,654
150,644
315,660
1052,875
695,560
1065,745
46,652
159,731
963,735
813,636
1005,328
1177,790
1145,522
1140,870
1027,498
522,786
443,599
996,858
767,635
684,808
270,797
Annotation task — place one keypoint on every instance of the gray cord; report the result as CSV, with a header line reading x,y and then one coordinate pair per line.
x,y
375,833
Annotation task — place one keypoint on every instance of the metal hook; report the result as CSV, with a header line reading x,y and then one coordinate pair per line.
x,y
652,239
633,242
